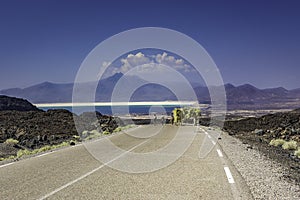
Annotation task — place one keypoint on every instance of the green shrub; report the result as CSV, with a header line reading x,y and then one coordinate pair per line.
x,y
291,145
121,128
11,157
95,132
11,141
24,152
76,137
297,153
44,148
118,129
106,132
55,146
277,142
85,134
8,158
64,144
128,126
35,151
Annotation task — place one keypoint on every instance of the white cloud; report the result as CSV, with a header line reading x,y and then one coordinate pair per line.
x,y
133,60
171,61
138,59
106,64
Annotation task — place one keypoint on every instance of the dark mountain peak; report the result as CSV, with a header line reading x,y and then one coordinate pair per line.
x,y
229,86
282,89
46,83
10,90
13,103
116,76
247,86
42,85
276,92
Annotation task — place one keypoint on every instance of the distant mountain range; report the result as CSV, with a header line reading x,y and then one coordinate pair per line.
x,y
249,97
238,97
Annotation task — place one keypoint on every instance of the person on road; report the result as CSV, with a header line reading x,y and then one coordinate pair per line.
x,y
163,120
155,119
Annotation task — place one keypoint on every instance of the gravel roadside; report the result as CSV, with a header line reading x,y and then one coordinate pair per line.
x,y
264,176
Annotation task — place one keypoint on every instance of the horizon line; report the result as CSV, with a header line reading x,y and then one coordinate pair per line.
x,y
142,103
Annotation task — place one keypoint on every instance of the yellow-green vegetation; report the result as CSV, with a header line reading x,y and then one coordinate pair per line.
x,y
24,152
118,129
185,114
106,133
290,145
64,144
297,153
89,135
11,141
45,148
287,145
8,158
93,134
191,113
177,115
11,157
277,142
76,137
84,134
122,128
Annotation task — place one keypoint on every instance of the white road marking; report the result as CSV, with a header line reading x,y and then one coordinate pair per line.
x,y
229,175
6,164
214,143
77,145
44,154
89,173
205,132
209,136
220,153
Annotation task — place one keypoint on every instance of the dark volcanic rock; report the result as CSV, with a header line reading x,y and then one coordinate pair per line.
x,y
285,125
7,150
12,103
34,129
94,120
258,132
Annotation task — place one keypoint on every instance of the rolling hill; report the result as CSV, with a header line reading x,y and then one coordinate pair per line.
x,y
238,97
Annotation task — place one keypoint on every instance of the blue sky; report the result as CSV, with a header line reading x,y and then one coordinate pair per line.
x,y
254,42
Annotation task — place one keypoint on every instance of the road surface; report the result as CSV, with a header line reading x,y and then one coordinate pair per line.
x,y
73,173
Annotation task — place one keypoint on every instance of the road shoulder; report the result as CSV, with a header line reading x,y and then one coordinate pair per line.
x,y
265,177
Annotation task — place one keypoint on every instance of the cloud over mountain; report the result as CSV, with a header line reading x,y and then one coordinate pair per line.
x,y
140,59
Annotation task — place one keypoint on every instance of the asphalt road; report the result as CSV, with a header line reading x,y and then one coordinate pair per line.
x,y
73,173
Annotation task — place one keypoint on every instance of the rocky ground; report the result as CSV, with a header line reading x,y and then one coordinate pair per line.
x,y
12,103
258,132
34,128
284,125
267,178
